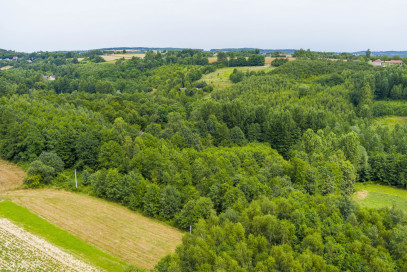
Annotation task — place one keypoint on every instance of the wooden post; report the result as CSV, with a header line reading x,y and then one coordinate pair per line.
x,y
190,229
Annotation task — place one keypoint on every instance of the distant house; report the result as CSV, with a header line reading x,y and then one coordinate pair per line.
x,y
396,62
29,61
377,62
15,57
6,59
288,56
51,77
182,89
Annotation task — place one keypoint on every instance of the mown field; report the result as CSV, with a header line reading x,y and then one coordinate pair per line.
x,y
220,78
380,196
107,226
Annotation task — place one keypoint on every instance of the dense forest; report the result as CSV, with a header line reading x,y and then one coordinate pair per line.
x,y
263,171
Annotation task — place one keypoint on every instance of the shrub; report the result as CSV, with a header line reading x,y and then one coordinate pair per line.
x,y
53,160
32,181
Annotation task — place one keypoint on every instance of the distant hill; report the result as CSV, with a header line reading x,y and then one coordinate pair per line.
x,y
287,51
144,49
381,53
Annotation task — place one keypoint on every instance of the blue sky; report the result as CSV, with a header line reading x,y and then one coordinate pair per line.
x,y
323,25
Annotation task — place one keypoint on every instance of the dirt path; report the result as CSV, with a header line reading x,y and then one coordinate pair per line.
x,y
23,251
11,176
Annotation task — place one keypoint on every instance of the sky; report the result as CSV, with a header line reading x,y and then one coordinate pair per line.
x,y
320,25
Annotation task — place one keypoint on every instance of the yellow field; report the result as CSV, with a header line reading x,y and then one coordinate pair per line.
x,y
108,226
114,57
220,78
6,67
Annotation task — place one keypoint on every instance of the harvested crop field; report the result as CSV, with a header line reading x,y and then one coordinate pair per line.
x,y
22,251
110,227
114,57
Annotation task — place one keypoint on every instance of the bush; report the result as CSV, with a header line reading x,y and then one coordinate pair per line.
x,y
53,160
279,61
45,172
236,76
32,181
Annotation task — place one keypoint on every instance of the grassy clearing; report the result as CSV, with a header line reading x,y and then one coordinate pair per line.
x,y
108,226
220,78
38,226
268,60
391,121
380,196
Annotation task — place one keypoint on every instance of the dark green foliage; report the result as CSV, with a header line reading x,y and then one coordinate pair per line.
x,y
170,202
236,76
294,233
38,172
279,61
51,159
256,60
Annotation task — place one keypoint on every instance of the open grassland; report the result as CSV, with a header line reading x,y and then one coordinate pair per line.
x,y
220,78
391,121
114,57
110,227
23,248
380,196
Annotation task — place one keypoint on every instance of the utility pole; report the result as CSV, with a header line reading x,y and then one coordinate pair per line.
x,y
190,229
76,182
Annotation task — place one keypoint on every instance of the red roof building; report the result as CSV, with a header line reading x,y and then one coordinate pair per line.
x,y
377,62
398,62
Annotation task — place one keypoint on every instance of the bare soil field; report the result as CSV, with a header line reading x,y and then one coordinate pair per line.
x,y
108,226
22,251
